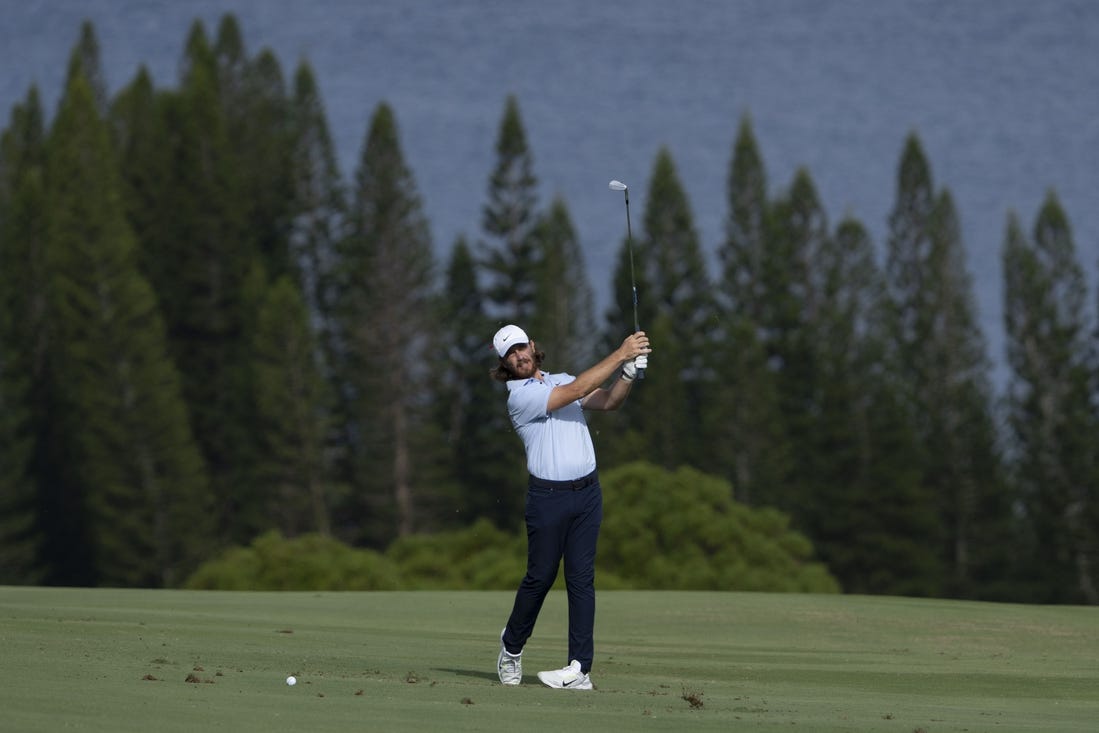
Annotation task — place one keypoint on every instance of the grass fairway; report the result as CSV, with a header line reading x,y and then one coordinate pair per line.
x,y
120,660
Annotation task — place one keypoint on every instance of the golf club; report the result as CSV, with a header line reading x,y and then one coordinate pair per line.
x,y
617,185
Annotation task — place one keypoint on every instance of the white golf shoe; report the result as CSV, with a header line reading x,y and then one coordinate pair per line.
x,y
567,678
509,666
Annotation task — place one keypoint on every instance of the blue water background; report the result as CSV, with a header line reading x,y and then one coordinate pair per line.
x,y
1004,95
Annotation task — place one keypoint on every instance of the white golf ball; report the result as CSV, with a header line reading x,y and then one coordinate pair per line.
x,y
291,680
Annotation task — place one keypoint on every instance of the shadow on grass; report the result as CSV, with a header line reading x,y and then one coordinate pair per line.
x,y
479,674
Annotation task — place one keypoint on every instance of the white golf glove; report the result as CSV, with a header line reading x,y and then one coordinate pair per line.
x,y
629,369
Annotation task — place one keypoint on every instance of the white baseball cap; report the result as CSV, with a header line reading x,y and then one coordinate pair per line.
x,y
507,337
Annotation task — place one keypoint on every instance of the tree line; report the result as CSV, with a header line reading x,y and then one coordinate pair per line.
x,y
207,333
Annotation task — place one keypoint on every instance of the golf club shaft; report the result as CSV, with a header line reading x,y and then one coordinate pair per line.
x,y
633,275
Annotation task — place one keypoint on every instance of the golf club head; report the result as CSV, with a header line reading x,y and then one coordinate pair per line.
x,y
617,185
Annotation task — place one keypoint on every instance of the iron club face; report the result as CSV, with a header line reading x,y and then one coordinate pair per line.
x,y
617,185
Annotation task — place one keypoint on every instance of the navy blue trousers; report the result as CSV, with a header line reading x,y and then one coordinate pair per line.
x,y
562,523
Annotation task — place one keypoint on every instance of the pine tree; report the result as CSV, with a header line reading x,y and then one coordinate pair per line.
x,y
744,250
292,413
866,512
678,312
510,254
142,144
319,207
485,456
136,472
742,414
1052,414
945,372
231,59
85,61
22,225
198,57
29,453
795,232
671,255
19,535
386,330
205,260
258,125
564,312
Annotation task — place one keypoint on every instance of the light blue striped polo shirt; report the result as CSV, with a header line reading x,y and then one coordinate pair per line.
x,y
558,444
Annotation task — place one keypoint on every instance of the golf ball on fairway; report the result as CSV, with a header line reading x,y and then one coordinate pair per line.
x,y
291,680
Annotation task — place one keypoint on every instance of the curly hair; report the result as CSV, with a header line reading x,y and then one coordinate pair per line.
x,y
501,373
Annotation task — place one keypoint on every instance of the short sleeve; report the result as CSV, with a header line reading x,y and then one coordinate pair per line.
x,y
527,403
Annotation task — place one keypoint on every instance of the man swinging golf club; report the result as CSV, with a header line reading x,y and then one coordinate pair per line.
x,y
564,505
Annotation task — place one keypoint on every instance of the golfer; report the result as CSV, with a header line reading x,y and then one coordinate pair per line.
x,y
564,505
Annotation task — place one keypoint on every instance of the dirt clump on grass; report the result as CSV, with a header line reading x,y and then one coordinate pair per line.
x,y
694,699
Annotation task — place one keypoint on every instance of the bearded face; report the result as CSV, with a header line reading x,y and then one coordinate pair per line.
x,y
520,361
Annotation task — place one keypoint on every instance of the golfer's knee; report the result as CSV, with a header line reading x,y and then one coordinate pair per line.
x,y
539,580
580,579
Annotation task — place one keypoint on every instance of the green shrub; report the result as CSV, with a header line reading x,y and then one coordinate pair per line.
x,y
308,562
661,530
683,530
478,557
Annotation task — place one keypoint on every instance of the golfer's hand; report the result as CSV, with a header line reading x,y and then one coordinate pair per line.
x,y
635,345
631,367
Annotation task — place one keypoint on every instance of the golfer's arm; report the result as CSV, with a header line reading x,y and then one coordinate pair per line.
x,y
608,399
587,382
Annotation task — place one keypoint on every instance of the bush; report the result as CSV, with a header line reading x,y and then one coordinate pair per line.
x,y
662,530
308,562
479,557
683,530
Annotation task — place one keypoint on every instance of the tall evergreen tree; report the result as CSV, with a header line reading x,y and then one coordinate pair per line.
x,y
510,254
486,457
745,248
564,312
136,470
671,255
199,259
797,233
19,533
231,58
259,127
386,330
318,215
772,285
678,311
85,60
292,414
1052,411
742,413
22,225
199,56
319,207
31,451
866,511
141,141
945,372
618,318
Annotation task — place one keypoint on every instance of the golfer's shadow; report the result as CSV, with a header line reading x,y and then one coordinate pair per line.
x,y
480,674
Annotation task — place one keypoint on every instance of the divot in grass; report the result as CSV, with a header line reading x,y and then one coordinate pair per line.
x,y
694,699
